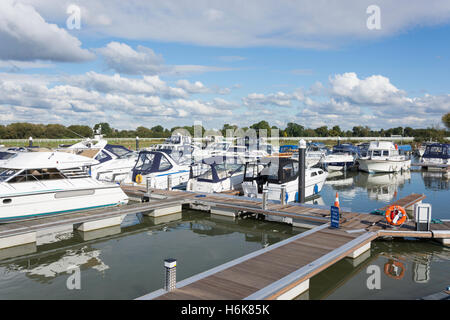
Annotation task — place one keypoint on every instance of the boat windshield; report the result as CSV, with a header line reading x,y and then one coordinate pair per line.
x,y
117,150
145,161
221,171
5,174
173,140
221,146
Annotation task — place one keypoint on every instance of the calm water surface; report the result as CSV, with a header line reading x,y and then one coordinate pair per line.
x,y
128,262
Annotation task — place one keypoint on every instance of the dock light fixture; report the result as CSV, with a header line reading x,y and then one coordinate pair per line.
x,y
170,266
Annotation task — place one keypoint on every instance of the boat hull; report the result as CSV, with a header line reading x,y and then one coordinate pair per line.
x,y
376,166
313,186
59,201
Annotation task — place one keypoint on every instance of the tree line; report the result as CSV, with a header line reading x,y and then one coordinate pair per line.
x,y
23,130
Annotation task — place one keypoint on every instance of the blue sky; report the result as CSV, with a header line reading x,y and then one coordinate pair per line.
x,y
173,62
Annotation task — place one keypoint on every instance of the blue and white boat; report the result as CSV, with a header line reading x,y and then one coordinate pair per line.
x,y
436,153
217,174
343,157
160,169
274,173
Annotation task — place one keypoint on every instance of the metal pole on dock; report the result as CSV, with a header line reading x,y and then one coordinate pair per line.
x,y
283,194
30,142
264,198
301,171
147,184
137,143
171,274
169,182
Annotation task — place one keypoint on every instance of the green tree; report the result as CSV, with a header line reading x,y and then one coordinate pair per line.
x,y
446,120
143,132
322,131
56,131
107,131
294,130
75,131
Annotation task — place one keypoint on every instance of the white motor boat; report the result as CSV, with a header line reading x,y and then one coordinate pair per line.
x,y
436,154
219,174
42,183
383,156
160,169
314,154
343,157
114,161
275,172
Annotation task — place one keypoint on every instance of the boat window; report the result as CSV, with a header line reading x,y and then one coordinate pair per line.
x,y
103,156
385,153
376,153
5,174
287,172
117,150
37,175
221,146
164,164
313,174
208,175
252,170
271,171
320,172
145,161
436,149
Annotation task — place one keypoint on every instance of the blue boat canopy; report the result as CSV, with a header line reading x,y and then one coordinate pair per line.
x,y
437,150
404,147
288,148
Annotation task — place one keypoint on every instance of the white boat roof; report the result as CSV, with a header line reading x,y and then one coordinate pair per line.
x,y
42,160
385,145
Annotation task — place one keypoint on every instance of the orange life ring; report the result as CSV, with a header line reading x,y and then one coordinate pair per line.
x,y
391,269
395,215
139,178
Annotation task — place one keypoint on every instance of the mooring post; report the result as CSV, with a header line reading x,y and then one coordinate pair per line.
x,y
301,171
283,194
170,280
264,198
137,143
30,142
169,182
147,184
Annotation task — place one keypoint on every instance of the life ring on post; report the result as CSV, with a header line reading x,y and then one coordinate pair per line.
x,y
395,215
394,269
139,178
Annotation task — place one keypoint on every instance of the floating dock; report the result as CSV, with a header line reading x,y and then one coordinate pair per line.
x,y
283,270
280,271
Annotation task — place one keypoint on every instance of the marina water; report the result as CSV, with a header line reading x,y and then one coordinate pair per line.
x,y
127,263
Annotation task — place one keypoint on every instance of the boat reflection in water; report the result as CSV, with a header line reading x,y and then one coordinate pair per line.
x,y
435,180
105,260
46,267
410,269
382,187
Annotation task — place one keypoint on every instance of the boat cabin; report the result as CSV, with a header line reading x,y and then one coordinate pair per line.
x,y
216,169
382,150
437,150
152,162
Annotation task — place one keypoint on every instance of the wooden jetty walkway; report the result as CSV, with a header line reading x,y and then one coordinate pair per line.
x,y
283,270
280,271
